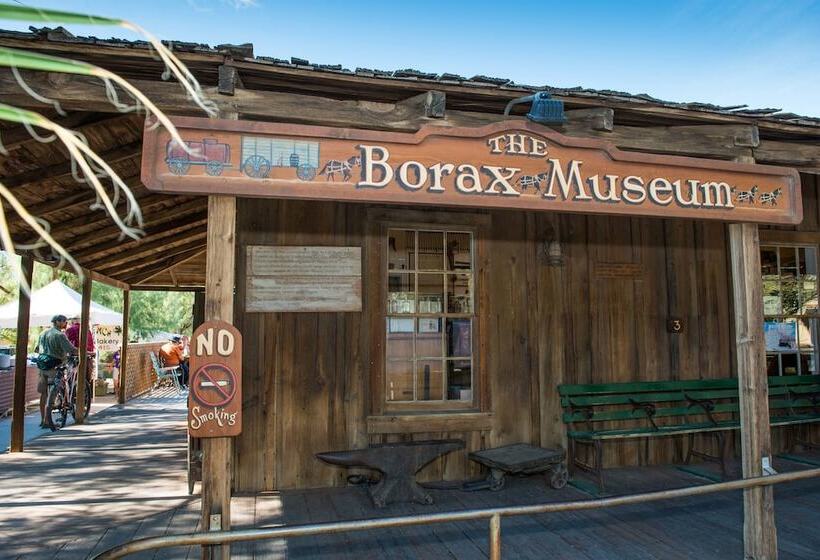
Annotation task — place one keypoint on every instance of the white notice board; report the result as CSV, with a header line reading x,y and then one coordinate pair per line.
x,y
306,279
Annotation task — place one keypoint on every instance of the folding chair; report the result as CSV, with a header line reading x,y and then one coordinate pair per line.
x,y
174,373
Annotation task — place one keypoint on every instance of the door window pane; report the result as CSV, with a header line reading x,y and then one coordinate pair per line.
x,y
431,250
429,338
428,379
401,252
431,293
401,296
399,381
459,251
459,380
459,337
459,293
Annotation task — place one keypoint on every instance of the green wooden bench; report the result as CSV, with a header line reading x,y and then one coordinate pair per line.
x,y
596,413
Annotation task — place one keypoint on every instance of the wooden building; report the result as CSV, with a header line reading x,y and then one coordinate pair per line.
x,y
463,318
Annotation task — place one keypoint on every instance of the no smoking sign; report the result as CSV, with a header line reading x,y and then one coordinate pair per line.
x,y
215,406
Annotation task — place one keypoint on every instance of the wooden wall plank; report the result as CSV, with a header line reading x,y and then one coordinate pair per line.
x,y
309,384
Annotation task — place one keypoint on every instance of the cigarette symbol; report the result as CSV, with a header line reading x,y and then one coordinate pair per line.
x,y
211,384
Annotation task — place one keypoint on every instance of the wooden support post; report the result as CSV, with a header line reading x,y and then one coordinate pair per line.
x,y
217,464
198,316
82,385
759,531
18,418
126,308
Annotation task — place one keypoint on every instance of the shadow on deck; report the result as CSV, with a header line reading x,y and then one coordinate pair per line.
x,y
88,488
706,527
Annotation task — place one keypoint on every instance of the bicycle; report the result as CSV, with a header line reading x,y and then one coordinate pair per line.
x,y
62,395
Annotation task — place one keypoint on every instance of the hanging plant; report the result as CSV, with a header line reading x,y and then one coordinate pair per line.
x,y
87,166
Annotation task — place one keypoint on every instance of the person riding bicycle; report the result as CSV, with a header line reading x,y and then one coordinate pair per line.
x,y
54,348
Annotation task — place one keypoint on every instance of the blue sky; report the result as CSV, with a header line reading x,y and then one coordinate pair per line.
x,y
764,54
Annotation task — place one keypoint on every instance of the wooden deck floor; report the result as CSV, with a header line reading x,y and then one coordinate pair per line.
x,y
83,490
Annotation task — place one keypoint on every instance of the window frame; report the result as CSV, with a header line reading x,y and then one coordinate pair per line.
x,y
813,318
380,221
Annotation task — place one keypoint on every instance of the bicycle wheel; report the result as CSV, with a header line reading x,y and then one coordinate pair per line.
x,y
55,405
87,401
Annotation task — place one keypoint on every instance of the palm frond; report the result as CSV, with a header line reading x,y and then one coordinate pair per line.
x,y
172,64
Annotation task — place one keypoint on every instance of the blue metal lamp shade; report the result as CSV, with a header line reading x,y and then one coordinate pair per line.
x,y
544,109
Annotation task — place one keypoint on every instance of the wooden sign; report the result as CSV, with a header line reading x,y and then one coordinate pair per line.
x,y
215,403
511,164
307,279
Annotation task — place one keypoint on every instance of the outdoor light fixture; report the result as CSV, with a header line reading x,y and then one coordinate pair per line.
x,y
544,109
551,246
554,253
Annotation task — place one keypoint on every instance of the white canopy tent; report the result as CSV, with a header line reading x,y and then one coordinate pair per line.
x,y
56,298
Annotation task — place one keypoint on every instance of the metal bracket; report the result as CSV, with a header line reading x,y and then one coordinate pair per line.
x,y
768,469
215,523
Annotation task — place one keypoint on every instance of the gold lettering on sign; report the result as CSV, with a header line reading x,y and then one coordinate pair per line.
x,y
512,165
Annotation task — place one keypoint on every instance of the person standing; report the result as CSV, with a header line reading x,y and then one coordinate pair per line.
x,y
73,335
53,347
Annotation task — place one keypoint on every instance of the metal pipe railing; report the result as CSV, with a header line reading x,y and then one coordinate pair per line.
x,y
493,514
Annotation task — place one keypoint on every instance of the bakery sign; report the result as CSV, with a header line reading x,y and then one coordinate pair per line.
x,y
513,164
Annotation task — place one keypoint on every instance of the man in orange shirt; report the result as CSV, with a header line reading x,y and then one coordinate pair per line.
x,y
171,354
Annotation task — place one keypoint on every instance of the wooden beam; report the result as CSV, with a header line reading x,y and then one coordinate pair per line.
x,y
724,138
229,79
136,254
90,97
430,104
198,314
601,119
85,315
136,274
126,313
18,417
85,197
57,204
66,230
178,224
103,279
712,141
63,169
800,155
109,231
15,137
759,532
160,288
217,464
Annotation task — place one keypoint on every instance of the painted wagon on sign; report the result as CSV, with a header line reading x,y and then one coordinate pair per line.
x,y
261,154
211,153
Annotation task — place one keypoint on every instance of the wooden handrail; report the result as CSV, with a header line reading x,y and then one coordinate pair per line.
x,y
493,514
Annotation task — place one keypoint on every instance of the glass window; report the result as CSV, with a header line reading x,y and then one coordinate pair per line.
x,y
790,308
430,317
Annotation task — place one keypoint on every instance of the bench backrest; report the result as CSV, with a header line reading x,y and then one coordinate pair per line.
x,y
675,400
